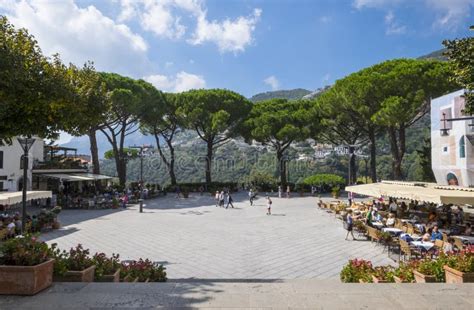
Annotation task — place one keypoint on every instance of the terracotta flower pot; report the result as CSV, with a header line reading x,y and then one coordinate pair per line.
x,y
456,276
423,278
115,277
86,275
399,280
26,280
130,279
377,280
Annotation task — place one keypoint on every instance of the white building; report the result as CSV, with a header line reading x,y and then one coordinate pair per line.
x,y
452,150
11,165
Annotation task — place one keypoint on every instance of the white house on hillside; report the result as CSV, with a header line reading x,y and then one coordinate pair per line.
x,y
11,165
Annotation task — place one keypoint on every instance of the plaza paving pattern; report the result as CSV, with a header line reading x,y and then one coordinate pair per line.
x,y
195,239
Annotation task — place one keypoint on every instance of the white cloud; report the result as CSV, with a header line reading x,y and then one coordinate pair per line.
x,y
162,17
229,35
272,81
79,34
451,13
393,27
183,81
359,4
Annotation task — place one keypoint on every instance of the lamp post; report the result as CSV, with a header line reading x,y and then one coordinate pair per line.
x,y
26,143
141,153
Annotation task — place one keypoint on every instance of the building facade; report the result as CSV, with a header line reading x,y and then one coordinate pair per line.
x,y
452,151
11,165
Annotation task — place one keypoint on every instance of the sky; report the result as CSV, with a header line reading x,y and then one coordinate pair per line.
x,y
249,46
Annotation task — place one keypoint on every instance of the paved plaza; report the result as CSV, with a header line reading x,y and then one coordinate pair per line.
x,y
195,239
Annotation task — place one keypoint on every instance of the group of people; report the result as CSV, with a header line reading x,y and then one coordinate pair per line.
x,y
12,223
224,199
280,191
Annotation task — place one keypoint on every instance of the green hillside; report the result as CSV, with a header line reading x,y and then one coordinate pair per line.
x,y
292,94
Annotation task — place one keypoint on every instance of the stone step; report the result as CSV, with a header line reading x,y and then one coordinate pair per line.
x,y
232,293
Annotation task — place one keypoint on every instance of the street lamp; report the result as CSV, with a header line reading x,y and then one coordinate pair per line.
x,y
143,149
26,143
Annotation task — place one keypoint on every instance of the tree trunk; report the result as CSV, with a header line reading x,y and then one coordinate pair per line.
x,y
94,151
396,154
209,163
352,178
373,155
281,168
171,167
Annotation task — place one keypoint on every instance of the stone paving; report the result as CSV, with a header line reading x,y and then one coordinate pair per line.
x,y
309,294
195,239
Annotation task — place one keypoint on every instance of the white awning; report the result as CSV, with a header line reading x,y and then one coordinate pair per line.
x,y
11,198
94,176
403,190
68,177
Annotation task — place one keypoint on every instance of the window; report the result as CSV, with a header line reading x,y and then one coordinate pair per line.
x,y
445,149
462,148
1,159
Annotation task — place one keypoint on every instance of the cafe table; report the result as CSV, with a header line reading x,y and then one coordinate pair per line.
x,y
466,239
377,225
423,245
392,230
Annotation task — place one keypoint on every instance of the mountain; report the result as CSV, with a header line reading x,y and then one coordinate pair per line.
x,y
438,55
291,94
317,92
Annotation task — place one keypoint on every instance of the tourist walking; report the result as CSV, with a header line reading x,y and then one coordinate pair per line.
x,y
216,197
349,224
221,199
269,206
288,191
229,201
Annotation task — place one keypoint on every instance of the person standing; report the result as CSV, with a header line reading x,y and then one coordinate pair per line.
x,y
280,191
221,199
350,224
178,191
229,201
288,191
251,197
269,206
216,197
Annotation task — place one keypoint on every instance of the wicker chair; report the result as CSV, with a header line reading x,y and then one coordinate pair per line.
x,y
407,250
458,243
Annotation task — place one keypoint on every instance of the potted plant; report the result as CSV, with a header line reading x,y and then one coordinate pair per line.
x,y
460,268
107,269
404,272
143,271
73,266
382,274
430,270
25,266
357,271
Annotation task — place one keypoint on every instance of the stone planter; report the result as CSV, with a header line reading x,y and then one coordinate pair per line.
x,y
377,280
26,280
130,279
423,278
399,280
456,276
115,277
86,275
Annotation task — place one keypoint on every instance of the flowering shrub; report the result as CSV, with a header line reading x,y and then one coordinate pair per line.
x,y
143,270
76,259
433,267
463,262
384,273
355,270
105,265
384,236
23,251
405,271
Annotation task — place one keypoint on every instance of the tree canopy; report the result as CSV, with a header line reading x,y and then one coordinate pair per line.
x,y
216,115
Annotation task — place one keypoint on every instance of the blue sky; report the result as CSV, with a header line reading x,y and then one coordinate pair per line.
x,y
249,46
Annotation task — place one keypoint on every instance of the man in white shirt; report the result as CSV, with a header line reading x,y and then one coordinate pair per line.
x,y
393,207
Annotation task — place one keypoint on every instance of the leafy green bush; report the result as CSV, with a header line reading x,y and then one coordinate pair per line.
x,y
355,270
23,251
326,182
195,187
262,181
